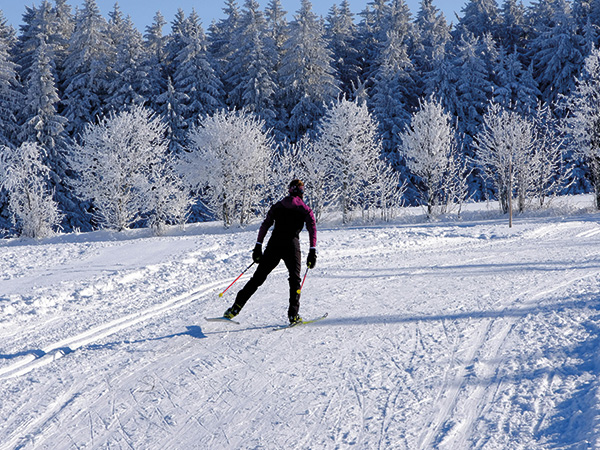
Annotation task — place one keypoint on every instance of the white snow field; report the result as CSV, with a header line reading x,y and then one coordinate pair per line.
x,y
453,335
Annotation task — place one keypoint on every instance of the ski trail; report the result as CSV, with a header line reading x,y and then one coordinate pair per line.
x,y
61,348
449,429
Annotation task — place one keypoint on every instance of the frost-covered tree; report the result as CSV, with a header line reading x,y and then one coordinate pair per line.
x,y
123,167
155,62
584,119
307,72
393,90
342,35
506,152
194,78
553,174
556,50
25,177
430,148
432,37
42,123
10,95
515,86
220,37
251,69
227,161
170,105
126,84
473,85
87,68
372,33
277,35
513,26
479,17
348,143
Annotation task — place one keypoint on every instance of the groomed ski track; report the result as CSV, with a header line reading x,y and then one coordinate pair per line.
x,y
449,336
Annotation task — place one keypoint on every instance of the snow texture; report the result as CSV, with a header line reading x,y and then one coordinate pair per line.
x,y
448,335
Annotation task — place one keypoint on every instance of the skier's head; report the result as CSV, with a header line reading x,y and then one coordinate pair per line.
x,y
296,188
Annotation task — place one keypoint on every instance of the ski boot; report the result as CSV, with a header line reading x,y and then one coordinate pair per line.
x,y
232,312
295,320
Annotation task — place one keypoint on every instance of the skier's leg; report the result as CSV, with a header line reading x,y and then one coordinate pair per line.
x,y
293,261
268,262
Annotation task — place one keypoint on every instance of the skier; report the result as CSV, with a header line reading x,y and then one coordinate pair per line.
x,y
289,215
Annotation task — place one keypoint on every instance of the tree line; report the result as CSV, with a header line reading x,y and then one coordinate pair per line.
x,y
437,100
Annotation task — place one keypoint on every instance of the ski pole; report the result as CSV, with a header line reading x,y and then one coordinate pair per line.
x,y
303,279
240,276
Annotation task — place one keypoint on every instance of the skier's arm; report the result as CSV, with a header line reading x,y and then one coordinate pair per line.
x,y
264,227
311,226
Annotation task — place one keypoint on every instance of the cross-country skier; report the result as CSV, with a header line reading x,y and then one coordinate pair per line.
x,y
289,215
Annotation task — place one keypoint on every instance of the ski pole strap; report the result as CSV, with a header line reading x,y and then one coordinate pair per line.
x,y
240,276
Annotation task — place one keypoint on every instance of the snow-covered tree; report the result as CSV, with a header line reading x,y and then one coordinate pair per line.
x,y
25,177
515,86
348,143
506,152
128,71
155,62
512,33
556,50
584,119
277,35
220,37
87,68
553,174
430,148
393,90
342,35
43,124
10,96
227,161
251,69
194,78
307,72
432,37
123,167
473,85
479,17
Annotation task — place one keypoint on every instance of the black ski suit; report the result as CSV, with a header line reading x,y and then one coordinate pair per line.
x,y
289,216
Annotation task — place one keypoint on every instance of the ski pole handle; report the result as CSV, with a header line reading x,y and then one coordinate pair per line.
x,y
240,276
303,280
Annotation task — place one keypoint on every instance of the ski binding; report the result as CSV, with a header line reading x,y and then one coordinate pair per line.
x,y
304,322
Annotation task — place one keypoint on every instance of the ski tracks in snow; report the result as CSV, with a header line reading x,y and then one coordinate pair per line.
x,y
444,337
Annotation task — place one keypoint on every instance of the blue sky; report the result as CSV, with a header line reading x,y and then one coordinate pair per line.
x,y
142,12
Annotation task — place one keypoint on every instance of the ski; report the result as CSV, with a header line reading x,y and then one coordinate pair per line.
x,y
304,322
221,319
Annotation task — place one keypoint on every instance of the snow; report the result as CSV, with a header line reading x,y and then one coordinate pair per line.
x,y
452,334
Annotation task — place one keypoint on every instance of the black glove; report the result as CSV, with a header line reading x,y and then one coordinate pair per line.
x,y
257,253
311,261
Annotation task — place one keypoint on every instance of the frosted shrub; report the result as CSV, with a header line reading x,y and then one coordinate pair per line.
x,y
123,167
228,162
584,123
347,154
25,178
430,149
506,153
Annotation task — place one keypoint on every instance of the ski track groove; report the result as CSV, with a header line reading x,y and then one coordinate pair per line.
x,y
57,350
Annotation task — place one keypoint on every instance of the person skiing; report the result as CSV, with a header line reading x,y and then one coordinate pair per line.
x,y
289,216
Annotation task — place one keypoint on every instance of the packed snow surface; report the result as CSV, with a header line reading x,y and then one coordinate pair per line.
x,y
463,334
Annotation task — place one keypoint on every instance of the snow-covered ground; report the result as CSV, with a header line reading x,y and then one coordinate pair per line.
x,y
452,335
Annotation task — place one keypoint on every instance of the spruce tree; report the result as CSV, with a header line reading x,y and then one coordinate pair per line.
x,y
307,72
87,69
